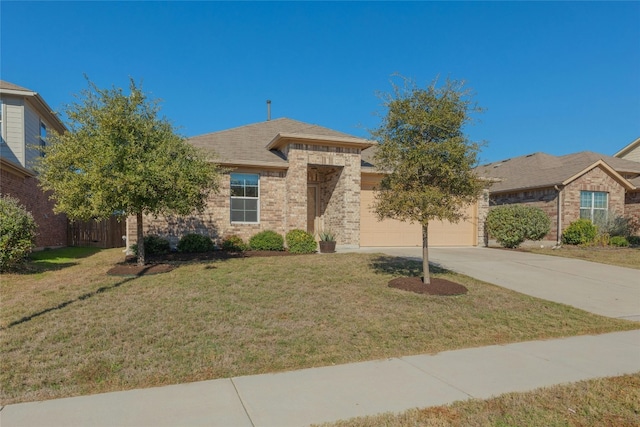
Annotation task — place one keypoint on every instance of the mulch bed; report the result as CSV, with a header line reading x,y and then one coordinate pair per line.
x,y
437,286
157,264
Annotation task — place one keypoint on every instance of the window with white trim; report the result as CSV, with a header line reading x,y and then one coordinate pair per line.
x,y
594,205
245,197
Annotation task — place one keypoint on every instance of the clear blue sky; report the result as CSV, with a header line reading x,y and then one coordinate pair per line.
x,y
556,77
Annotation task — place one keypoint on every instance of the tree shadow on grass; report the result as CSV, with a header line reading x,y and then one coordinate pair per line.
x,y
67,303
54,259
403,267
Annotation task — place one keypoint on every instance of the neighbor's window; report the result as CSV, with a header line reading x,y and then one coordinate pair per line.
x,y
594,205
245,197
43,138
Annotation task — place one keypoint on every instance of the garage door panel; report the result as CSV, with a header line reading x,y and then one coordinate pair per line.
x,y
390,232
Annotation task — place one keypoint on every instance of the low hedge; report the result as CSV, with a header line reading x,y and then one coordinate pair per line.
x,y
301,242
267,240
195,243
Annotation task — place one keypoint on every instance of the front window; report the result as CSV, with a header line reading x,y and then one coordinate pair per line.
x,y
245,197
594,205
43,138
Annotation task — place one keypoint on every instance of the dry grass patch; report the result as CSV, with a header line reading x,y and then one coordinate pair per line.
x,y
622,257
74,330
601,402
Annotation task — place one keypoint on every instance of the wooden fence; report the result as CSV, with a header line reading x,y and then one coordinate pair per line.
x,y
100,234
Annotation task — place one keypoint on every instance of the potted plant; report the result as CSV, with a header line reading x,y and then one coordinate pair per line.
x,y
327,242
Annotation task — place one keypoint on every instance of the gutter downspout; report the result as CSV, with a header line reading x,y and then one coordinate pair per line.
x,y
559,213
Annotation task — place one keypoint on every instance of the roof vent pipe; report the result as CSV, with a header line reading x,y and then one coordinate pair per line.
x,y
268,109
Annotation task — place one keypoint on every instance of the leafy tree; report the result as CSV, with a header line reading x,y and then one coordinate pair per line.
x,y
120,157
426,159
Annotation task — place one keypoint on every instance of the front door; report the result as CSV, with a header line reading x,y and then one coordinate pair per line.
x,y
312,208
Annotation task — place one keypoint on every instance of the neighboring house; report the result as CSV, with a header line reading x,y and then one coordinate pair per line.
x,y
284,175
630,152
580,185
25,119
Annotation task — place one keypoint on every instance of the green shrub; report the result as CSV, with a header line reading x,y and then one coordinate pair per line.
x,y
267,241
511,225
619,241
301,242
580,232
17,233
153,245
193,243
634,240
234,243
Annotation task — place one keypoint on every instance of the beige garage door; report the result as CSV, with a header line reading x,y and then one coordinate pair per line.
x,y
396,233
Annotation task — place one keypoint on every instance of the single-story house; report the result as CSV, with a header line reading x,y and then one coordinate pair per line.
x,y
25,119
286,174
580,185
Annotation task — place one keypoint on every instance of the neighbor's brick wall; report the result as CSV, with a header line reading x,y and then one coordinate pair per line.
x,y
543,198
52,228
632,207
594,180
546,199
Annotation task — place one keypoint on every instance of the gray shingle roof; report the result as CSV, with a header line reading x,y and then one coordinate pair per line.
x,y
246,145
544,170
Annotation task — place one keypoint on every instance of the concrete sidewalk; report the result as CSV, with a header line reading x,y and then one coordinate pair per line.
x,y
299,398
602,289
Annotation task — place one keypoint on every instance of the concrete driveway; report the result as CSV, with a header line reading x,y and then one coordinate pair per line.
x,y
598,288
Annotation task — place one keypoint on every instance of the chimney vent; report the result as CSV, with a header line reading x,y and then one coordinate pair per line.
x,y
268,109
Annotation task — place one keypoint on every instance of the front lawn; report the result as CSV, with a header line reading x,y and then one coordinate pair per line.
x,y
68,329
622,257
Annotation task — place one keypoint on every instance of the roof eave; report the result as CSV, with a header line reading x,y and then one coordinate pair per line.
x,y
281,139
15,168
251,164
40,104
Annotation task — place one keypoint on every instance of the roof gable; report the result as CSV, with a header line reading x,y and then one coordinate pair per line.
x,y
36,101
629,148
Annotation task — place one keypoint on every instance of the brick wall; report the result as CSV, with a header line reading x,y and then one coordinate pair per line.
x,y
215,220
52,228
594,180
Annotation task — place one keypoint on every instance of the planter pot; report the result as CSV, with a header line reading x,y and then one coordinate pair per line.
x,y
327,247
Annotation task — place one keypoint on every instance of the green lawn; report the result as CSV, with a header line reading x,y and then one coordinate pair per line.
x,y
622,257
69,329
601,402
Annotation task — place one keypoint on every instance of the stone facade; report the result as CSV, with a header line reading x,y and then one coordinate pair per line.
x,y
52,228
283,200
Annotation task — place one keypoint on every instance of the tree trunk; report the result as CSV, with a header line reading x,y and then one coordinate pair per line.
x,y
425,254
141,260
